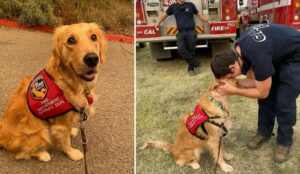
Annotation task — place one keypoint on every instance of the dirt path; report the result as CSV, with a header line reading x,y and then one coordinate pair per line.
x,y
110,131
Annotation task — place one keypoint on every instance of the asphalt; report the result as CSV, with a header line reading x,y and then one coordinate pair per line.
x,y
110,131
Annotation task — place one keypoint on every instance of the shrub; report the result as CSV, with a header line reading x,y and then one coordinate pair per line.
x,y
38,12
10,8
115,16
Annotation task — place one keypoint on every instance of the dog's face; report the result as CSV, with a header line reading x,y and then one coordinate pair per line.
x,y
80,48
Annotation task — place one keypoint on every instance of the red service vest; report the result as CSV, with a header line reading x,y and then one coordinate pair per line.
x,y
194,121
45,99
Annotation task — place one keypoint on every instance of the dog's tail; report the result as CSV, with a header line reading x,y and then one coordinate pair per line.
x,y
165,146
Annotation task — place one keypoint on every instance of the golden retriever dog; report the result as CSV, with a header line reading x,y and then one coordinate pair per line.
x,y
76,52
187,148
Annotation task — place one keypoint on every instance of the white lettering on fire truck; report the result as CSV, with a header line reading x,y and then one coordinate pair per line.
x,y
149,31
219,28
167,3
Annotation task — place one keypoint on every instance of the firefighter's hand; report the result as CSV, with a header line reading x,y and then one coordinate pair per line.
x,y
225,88
156,26
209,22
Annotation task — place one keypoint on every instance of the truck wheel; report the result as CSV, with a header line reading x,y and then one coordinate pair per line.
x,y
141,45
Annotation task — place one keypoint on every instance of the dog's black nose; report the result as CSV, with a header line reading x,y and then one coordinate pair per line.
x,y
91,59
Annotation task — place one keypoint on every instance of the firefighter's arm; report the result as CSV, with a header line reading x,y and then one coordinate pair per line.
x,y
248,82
162,18
203,18
261,89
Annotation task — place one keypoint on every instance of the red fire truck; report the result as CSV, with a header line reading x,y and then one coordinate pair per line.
x,y
218,36
285,12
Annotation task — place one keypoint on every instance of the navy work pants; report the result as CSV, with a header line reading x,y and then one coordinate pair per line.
x,y
281,102
186,42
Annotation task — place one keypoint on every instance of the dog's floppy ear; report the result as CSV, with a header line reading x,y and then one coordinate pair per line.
x,y
102,43
57,43
215,84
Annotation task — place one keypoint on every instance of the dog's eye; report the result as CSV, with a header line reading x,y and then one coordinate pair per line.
x,y
93,37
71,41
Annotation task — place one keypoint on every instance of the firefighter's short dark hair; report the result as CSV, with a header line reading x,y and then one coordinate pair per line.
x,y
220,63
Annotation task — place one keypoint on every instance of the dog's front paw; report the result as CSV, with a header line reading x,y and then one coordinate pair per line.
x,y
75,155
228,156
74,132
227,168
44,156
194,165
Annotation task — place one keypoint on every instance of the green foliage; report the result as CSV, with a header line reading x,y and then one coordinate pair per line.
x,y
115,16
10,8
38,12
34,12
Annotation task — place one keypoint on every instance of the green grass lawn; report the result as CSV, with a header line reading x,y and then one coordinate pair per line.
x,y
165,92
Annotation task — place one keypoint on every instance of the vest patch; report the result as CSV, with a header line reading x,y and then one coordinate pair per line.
x,y
194,121
45,99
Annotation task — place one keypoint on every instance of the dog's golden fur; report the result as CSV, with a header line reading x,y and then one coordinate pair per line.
x,y
187,148
25,135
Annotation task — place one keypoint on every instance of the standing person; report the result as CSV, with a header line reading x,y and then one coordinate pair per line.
x,y
245,20
245,12
269,55
187,36
237,25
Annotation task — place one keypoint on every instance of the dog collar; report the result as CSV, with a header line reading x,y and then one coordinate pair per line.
x,y
88,96
216,103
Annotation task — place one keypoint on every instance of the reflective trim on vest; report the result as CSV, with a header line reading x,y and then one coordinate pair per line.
x,y
45,99
194,121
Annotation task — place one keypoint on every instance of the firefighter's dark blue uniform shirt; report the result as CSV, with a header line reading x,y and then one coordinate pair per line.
x,y
264,46
184,15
